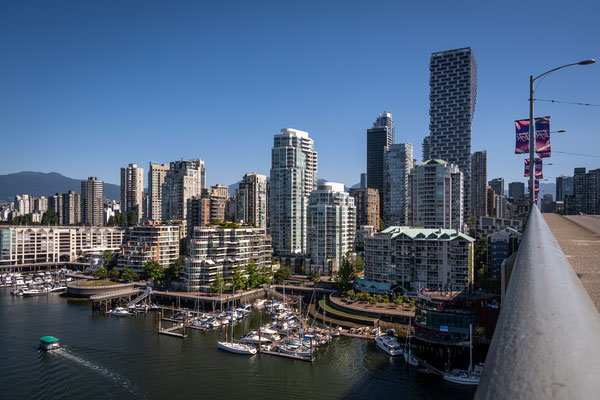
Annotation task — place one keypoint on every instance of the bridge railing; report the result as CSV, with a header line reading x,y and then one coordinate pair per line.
x,y
547,341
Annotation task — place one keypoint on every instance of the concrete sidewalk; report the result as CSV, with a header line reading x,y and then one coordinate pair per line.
x,y
579,238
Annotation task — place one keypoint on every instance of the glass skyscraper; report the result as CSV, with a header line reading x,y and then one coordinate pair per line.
x,y
398,162
379,138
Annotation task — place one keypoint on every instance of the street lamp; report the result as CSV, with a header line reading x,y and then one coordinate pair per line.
x,y
532,127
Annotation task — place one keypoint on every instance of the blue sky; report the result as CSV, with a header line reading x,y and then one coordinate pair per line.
x,y
87,87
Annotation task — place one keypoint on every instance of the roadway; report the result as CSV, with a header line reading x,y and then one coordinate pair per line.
x,y
579,238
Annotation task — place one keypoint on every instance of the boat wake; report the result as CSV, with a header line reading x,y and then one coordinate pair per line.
x,y
119,379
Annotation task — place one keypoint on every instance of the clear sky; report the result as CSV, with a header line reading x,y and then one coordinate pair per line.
x,y
89,86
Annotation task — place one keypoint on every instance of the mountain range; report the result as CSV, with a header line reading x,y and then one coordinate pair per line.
x,y
45,184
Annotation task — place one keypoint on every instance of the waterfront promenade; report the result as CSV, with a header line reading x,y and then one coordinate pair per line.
x,y
579,238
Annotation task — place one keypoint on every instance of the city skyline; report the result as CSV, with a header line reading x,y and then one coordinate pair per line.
x,y
175,109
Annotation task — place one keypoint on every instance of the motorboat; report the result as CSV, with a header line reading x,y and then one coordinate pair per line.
x,y
294,351
48,343
34,292
389,344
260,303
119,312
237,348
253,337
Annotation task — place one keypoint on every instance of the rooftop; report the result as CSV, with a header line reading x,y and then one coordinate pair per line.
x,y
426,233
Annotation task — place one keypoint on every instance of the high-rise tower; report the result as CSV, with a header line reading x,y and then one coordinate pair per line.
x,y
379,139
452,96
293,178
132,190
184,180
92,201
398,162
479,183
251,200
156,180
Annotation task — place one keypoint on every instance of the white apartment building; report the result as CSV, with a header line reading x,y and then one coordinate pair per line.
x,y
216,251
184,180
43,244
293,178
144,243
436,196
417,258
252,202
331,226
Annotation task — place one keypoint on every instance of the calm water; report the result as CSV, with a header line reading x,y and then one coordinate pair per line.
x,y
104,357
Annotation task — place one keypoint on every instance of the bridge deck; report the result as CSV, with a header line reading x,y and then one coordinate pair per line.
x,y
579,239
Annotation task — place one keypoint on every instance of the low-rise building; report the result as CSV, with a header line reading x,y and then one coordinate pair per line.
x,y
215,250
485,226
502,244
418,258
46,244
144,243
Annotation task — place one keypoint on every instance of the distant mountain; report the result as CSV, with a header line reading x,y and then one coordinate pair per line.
x,y
45,184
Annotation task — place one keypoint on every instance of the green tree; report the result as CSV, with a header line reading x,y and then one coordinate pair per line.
x,y
132,219
100,273
266,273
111,221
50,217
218,282
129,275
358,264
153,270
110,259
380,224
174,271
481,253
282,274
254,277
229,217
345,277
114,273
239,280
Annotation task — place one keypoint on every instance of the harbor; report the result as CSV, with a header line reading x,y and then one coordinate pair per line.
x,y
105,356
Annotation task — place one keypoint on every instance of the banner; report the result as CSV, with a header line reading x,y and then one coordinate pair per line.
x,y
522,128
538,168
542,136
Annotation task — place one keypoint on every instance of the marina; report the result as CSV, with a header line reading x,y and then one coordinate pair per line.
x,y
350,358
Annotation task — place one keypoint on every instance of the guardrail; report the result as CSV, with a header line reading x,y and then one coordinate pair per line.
x,y
547,341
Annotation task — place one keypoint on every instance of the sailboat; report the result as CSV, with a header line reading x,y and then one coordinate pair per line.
x,y
238,348
471,376
408,356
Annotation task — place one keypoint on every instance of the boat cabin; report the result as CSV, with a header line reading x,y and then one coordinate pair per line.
x,y
48,343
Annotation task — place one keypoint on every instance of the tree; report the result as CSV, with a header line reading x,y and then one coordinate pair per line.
x,y
132,219
345,277
282,274
266,273
239,280
481,253
254,278
229,217
153,270
218,283
128,275
110,259
174,270
100,273
357,263
114,273
50,217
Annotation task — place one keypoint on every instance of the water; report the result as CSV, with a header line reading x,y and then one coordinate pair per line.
x,y
104,357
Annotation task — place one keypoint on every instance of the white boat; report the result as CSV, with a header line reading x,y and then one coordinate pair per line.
x,y
57,288
119,312
260,303
253,338
294,351
238,348
471,376
34,292
408,356
389,344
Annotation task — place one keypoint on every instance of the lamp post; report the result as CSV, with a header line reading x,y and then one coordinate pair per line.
x,y
532,127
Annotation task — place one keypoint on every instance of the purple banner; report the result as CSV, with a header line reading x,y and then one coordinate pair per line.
x,y
522,128
542,136
538,168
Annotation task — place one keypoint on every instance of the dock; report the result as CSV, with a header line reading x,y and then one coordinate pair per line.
x,y
277,353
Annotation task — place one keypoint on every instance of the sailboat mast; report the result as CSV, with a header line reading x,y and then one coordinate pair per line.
x,y
470,347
